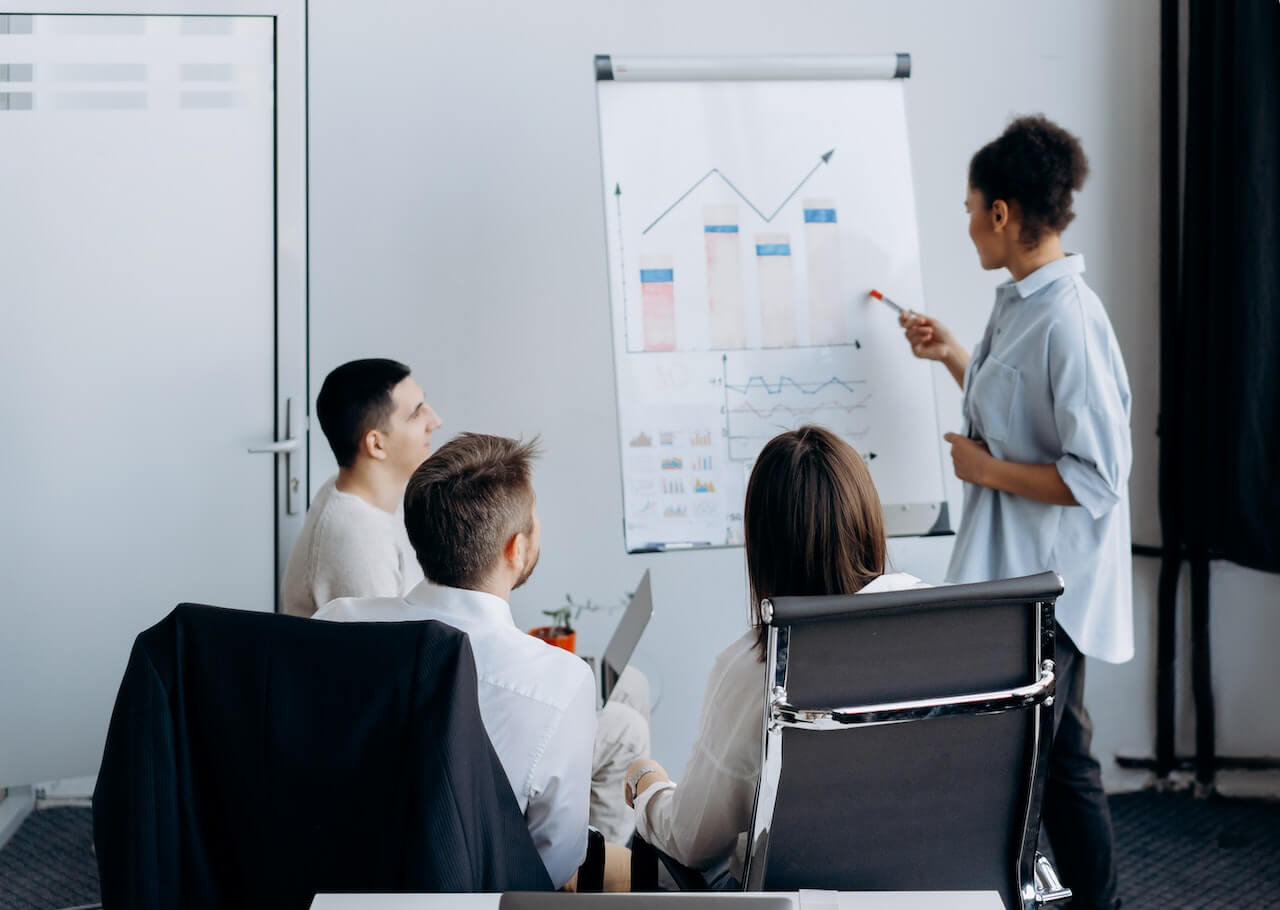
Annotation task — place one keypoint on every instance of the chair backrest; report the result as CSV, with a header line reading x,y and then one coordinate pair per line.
x,y
253,760
905,742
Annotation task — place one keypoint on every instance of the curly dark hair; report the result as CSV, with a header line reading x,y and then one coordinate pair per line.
x,y
1036,164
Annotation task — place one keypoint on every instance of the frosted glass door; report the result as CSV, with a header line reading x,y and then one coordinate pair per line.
x,y
137,353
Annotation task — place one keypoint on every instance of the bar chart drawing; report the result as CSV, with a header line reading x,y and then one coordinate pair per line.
x,y
759,277
657,292
725,293
777,291
826,292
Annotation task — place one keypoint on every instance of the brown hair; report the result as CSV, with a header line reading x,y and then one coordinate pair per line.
x,y
465,502
812,521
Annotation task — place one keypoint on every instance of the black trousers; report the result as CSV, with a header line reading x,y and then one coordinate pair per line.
x,y
1076,816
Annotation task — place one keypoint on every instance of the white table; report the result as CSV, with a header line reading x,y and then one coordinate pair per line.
x,y
847,900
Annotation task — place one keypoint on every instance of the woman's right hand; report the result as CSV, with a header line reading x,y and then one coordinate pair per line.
x,y
929,338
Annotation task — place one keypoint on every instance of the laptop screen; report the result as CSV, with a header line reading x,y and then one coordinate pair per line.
x,y
625,638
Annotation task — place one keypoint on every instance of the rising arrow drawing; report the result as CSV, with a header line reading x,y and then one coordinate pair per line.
x,y
822,159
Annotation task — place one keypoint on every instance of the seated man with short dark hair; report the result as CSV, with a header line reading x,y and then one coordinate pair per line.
x,y
353,541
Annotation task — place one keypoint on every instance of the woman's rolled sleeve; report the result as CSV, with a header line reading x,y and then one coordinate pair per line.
x,y
1089,410
1093,465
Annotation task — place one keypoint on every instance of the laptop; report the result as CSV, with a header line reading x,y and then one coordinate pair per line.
x,y
617,654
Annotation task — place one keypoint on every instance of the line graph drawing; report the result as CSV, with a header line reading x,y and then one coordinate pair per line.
x,y
824,158
784,382
800,413
758,408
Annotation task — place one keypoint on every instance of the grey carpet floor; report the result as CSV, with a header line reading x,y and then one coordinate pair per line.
x,y
1173,852
49,862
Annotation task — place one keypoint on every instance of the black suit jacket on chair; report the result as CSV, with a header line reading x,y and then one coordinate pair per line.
x,y
253,760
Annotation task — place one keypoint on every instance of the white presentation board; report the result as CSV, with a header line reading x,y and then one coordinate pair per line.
x,y
747,220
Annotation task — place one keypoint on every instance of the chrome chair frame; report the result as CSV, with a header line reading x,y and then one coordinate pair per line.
x,y
1037,882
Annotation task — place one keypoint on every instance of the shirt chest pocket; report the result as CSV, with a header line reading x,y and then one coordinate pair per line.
x,y
995,393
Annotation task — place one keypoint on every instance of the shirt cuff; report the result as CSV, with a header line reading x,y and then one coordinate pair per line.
x,y
1087,486
642,806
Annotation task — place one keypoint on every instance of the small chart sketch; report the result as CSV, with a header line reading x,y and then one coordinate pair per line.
x,y
757,408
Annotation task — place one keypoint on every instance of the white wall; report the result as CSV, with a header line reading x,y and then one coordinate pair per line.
x,y
457,224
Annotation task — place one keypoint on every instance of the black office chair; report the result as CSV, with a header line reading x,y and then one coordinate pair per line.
x,y
254,760
905,744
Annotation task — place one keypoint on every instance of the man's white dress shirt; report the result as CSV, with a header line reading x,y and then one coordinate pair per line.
x,y
537,702
704,820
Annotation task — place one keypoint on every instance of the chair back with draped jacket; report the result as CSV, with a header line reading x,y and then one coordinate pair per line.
x,y
254,760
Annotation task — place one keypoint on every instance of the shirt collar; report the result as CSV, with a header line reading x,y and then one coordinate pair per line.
x,y
891,581
1071,264
475,605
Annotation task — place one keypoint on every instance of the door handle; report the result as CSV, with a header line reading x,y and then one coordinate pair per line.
x,y
285,447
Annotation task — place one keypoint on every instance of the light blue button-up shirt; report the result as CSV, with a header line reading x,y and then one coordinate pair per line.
x,y
1047,384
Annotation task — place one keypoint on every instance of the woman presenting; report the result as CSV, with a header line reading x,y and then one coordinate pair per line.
x,y
1046,456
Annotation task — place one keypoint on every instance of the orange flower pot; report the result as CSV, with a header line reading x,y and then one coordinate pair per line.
x,y
558,636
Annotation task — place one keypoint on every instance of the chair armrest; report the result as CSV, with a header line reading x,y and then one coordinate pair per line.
x,y
644,869
591,872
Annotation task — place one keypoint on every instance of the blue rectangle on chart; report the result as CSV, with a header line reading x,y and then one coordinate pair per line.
x,y
819,216
773,249
721,229
655,276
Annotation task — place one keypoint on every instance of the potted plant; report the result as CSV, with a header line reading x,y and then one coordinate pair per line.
x,y
561,632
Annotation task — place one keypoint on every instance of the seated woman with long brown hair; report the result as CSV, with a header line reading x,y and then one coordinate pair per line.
x,y
813,525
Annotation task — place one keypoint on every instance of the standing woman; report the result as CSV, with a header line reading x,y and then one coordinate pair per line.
x,y
1046,456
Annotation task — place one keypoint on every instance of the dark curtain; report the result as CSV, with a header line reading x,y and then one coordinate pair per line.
x,y
1220,389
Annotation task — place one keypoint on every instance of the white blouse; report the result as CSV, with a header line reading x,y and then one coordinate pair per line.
x,y
704,819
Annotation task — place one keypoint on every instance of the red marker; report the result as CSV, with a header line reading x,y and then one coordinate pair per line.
x,y
878,296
